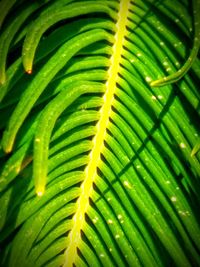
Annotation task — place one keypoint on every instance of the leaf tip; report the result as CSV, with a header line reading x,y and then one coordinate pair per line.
x,y
194,151
40,193
2,78
29,71
161,82
7,142
196,148
153,84
7,149
40,190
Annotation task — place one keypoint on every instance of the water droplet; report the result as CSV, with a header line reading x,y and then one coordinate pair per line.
x,y
126,183
182,145
110,221
119,216
173,199
139,54
117,236
148,79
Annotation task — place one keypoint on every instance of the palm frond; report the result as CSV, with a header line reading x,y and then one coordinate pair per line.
x,y
98,167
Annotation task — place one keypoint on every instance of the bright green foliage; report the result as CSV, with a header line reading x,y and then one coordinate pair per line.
x,y
142,208
193,54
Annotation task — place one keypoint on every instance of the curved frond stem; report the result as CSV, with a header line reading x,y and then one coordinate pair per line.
x,y
193,54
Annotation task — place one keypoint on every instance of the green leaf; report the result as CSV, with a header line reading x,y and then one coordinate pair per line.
x,y
97,167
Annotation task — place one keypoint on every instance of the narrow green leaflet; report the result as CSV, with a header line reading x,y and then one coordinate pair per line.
x,y
5,7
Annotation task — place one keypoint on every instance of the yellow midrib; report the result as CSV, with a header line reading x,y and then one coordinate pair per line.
x,y
98,141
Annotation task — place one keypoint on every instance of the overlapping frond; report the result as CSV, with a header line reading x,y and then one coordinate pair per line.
x,y
96,165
